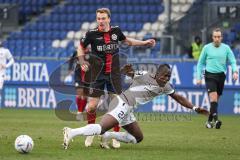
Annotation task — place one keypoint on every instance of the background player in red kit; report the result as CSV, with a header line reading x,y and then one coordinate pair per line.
x,y
74,68
104,44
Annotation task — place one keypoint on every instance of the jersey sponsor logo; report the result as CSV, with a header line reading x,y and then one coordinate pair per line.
x,y
107,47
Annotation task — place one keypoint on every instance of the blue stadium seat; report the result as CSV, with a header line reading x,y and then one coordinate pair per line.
x,y
26,34
129,15
136,9
138,26
123,26
57,17
114,9
131,26
237,27
122,9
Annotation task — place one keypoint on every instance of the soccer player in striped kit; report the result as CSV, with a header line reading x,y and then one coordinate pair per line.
x,y
104,41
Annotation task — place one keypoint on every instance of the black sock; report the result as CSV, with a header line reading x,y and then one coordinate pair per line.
x,y
213,111
210,118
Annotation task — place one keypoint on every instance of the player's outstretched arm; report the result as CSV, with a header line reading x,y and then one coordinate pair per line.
x,y
135,42
184,102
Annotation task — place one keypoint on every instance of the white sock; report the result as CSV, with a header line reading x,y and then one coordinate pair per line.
x,y
120,136
88,130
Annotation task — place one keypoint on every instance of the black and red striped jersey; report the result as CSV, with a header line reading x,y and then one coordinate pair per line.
x,y
104,45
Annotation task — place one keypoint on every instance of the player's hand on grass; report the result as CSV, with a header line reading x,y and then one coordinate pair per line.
x,y
201,110
127,70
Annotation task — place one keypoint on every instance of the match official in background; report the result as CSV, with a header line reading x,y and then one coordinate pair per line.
x,y
214,57
196,48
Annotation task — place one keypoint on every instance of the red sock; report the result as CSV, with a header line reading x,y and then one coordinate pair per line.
x,y
91,117
81,103
116,128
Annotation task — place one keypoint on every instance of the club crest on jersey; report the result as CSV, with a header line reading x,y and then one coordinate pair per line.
x,y
114,37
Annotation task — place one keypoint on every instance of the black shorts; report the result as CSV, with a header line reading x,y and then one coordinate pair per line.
x,y
215,82
99,80
112,83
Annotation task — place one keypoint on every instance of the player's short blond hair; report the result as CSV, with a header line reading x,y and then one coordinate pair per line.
x,y
104,10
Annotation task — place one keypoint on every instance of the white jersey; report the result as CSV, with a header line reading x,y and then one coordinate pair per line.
x,y
5,55
143,89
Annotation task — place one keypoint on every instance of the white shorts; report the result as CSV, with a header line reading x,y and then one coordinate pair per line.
x,y
122,112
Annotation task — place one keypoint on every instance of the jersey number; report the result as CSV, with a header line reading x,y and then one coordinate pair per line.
x,y
121,115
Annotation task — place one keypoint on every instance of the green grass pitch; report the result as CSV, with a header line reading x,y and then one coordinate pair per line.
x,y
163,139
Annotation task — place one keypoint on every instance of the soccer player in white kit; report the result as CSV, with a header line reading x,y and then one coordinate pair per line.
x,y
143,89
6,61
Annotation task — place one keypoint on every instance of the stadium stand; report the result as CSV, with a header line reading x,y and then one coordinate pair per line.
x,y
52,35
56,32
30,7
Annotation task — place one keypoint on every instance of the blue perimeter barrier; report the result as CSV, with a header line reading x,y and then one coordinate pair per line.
x,y
27,86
